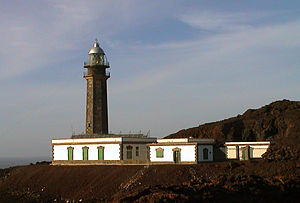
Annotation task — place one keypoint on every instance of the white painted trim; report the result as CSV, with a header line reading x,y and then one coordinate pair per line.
x,y
248,143
86,140
185,140
172,140
135,139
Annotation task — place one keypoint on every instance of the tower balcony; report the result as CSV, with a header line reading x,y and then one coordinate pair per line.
x,y
107,74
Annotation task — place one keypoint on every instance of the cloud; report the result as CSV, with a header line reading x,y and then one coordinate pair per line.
x,y
172,60
222,21
30,42
182,84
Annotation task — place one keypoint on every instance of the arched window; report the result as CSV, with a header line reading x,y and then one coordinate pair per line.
x,y
205,154
70,153
129,152
159,153
85,153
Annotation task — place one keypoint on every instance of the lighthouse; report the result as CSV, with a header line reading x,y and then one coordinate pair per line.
x,y
96,92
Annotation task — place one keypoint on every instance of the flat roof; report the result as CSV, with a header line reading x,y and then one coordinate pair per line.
x,y
87,140
108,135
249,143
185,140
102,140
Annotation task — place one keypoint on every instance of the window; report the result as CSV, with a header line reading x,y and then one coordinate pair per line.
x,y
159,153
70,153
137,152
205,154
85,153
101,153
129,152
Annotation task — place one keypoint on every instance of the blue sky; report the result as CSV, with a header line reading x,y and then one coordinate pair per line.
x,y
174,64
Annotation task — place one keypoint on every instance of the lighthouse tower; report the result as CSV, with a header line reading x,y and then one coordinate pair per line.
x,y
96,95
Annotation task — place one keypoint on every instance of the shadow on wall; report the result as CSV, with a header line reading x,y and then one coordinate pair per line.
x,y
219,153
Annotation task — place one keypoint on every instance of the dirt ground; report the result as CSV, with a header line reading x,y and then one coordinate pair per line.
x,y
154,183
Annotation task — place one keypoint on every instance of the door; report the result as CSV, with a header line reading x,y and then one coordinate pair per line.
x,y
205,154
176,156
243,153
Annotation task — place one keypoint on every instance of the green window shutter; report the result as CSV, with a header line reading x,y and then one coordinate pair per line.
x,y
70,154
85,153
100,153
159,153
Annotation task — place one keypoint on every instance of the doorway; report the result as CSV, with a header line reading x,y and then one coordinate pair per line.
x,y
244,153
176,156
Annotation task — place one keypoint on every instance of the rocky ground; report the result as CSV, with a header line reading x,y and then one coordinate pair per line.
x,y
250,181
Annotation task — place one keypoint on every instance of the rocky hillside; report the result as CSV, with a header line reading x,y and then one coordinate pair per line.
x,y
278,121
248,181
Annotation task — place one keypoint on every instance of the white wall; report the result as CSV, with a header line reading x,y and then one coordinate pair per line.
x,y
210,153
258,151
231,152
111,152
187,153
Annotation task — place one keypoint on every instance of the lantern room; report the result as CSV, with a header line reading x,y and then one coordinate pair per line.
x,y
97,56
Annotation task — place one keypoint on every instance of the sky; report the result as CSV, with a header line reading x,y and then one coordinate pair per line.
x,y
174,64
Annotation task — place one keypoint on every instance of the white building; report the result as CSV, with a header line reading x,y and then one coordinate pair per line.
x,y
104,150
181,150
144,150
246,150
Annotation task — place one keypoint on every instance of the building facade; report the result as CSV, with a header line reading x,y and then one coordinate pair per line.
x,y
181,150
246,150
104,150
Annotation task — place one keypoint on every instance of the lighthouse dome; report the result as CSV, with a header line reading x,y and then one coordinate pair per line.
x,y
96,49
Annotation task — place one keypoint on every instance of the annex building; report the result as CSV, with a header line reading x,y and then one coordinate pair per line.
x,y
97,146
181,150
